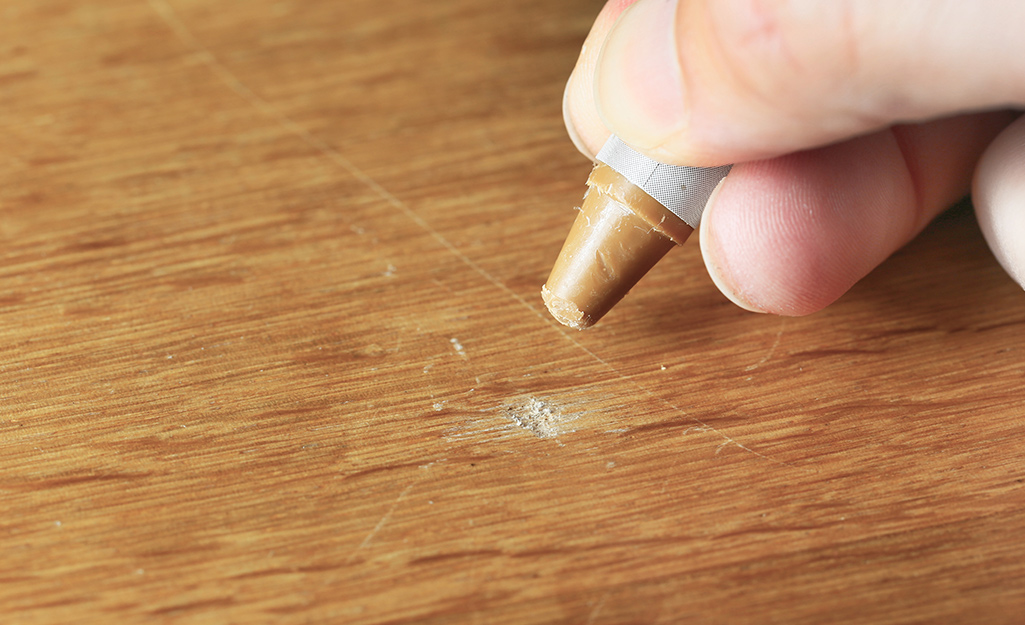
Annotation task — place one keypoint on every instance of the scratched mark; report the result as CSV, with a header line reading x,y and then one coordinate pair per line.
x,y
480,428
456,345
380,524
540,417
772,350
387,515
597,608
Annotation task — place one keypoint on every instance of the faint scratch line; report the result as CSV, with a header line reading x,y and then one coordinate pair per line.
x,y
727,440
772,350
597,608
380,524
169,17
388,515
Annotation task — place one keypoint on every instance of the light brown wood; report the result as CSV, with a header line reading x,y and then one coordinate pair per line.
x,y
272,350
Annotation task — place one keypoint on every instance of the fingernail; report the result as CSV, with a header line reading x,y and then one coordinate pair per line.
x,y
715,262
638,83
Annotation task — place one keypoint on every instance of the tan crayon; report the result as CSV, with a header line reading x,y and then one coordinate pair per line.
x,y
635,210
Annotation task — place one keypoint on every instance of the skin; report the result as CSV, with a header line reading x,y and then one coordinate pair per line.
x,y
851,123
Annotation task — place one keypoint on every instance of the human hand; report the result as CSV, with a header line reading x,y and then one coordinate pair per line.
x,y
851,123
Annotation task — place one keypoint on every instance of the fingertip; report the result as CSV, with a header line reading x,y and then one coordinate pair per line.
x,y
716,262
998,192
638,82
571,125
760,252
705,83
789,236
583,126
579,110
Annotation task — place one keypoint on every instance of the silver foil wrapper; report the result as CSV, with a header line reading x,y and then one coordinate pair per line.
x,y
683,190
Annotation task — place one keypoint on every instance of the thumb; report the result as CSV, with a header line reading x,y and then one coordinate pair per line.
x,y
706,82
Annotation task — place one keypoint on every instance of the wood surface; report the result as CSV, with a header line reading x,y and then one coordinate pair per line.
x,y
272,350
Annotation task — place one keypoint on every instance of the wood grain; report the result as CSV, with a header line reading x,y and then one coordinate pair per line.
x,y
272,350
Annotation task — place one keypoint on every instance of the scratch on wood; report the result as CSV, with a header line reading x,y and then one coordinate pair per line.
x,y
387,515
537,416
727,440
168,15
597,608
456,345
380,524
772,350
